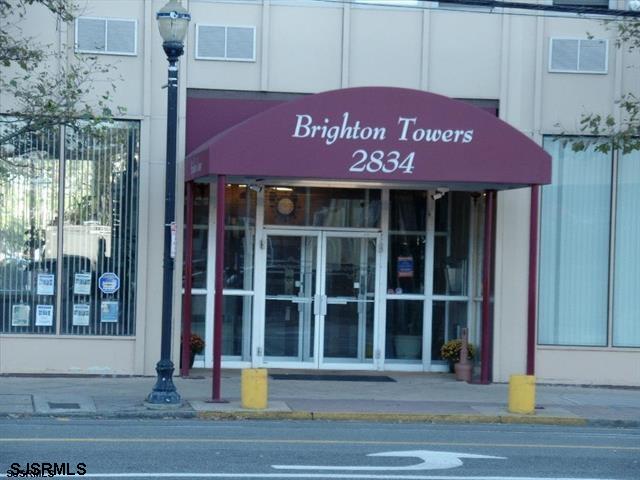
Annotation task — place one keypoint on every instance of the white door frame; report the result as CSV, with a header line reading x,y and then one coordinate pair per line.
x,y
320,301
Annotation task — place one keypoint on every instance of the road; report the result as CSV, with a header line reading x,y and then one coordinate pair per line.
x,y
333,450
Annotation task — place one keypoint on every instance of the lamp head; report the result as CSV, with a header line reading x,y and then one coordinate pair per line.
x,y
173,22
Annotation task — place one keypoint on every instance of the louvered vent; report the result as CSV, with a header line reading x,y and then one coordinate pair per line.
x,y
578,55
218,42
106,35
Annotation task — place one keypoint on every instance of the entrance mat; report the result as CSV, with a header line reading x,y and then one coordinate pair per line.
x,y
331,378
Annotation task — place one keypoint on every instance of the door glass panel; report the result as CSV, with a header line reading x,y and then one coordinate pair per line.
x,y
290,288
350,286
404,330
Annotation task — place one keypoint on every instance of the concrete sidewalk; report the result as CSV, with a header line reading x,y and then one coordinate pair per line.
x,y
418,397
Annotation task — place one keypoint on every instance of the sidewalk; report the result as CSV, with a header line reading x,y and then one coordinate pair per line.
x,y
418,397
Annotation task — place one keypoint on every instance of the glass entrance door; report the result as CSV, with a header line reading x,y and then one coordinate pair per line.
x,y
290,290
319,298
349,266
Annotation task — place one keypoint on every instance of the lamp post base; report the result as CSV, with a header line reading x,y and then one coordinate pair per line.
x,y
164,391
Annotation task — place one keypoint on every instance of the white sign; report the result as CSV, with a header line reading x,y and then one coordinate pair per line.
x,y
82,284
109,282
46,282
411,130
44,315
81,314
431,460
173,239
20,315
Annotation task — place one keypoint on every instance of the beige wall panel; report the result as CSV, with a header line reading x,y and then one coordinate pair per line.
x,y
305,49
631,72
465,66
517,103
66,355
386,47
511,284
566,96
588,366
127,72
217,74
153,250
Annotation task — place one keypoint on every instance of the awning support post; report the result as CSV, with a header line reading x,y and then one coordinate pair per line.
x,y
218,303
533,280
188,281
487,283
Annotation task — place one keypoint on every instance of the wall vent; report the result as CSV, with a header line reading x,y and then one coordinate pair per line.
x,y
223,42
106,35
576,55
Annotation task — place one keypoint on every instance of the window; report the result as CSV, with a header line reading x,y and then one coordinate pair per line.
x,y
218,42
106,35
572,55
589,263
84,284
599,4
466,5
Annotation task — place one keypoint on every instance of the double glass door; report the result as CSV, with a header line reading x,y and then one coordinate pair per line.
x,y
319,295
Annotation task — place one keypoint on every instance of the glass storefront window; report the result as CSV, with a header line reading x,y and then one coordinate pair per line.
x,y
407,242
626,301
239,230
449,318
98,223
404,330
240,208
451,244
200,235
29,214
236,324
198,319
100,230
322,207
574,248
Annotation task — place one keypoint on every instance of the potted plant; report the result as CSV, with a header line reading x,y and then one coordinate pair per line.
x,y
450,352
197,346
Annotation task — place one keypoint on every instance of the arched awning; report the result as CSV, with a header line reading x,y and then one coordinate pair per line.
x,y
377,134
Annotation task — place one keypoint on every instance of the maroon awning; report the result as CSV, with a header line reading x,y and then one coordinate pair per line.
x,y
374,134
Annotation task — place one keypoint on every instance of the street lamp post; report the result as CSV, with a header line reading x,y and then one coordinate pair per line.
x,y
173,21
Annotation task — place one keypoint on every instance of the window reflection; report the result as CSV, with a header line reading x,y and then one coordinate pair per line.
x,y
322,207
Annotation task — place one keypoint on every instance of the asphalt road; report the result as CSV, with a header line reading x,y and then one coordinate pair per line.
x,y
331,450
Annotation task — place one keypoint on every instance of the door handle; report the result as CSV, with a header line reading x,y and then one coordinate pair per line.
x,y
319,304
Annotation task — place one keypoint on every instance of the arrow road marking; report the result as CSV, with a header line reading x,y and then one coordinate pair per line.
x,y
431,460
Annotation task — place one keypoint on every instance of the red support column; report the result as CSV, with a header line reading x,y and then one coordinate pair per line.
x,y
219,285
533,280
487,283
188,277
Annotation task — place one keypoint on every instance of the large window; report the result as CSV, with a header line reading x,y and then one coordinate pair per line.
x,y
589,260
68,231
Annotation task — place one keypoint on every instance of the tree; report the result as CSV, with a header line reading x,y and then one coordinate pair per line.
x,y
48,87
623,135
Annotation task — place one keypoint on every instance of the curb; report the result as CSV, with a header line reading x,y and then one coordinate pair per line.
x,y
394,417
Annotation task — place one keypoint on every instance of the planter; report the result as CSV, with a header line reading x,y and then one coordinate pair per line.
x,y
408,346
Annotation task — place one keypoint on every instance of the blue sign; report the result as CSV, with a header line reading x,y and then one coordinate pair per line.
x,y
109,282
405,266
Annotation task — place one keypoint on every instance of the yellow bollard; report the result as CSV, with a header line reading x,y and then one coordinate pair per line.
x,y
254,388
522,394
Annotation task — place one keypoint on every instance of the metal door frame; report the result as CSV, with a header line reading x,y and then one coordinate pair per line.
x,y
319,298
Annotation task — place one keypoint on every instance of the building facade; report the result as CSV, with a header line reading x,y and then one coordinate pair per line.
x,y
327,271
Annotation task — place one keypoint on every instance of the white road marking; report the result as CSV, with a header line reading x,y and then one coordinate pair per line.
x,y
349,476
431,460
